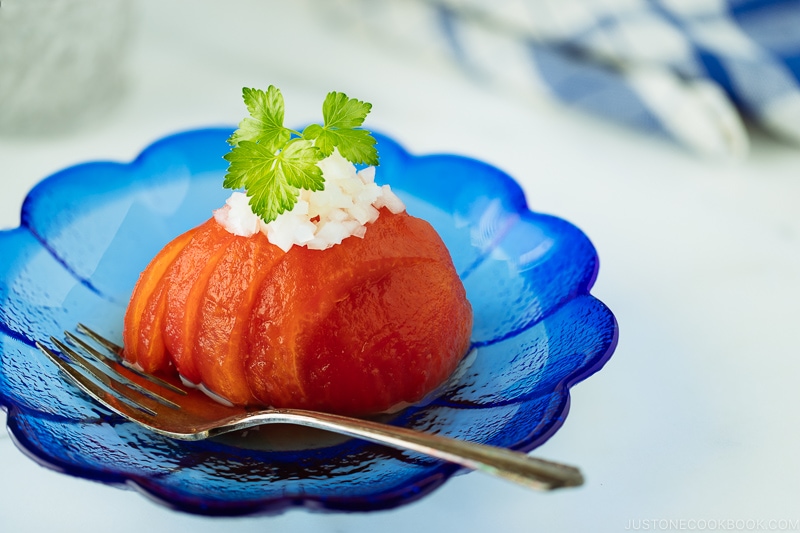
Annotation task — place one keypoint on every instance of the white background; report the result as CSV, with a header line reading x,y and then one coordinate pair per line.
x,y
693,418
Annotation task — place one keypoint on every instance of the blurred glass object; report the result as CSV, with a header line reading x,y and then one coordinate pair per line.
x,y
62,63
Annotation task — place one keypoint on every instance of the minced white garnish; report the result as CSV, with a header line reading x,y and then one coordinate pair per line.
x,y
320,219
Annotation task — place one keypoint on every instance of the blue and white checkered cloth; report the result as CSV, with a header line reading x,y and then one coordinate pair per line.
x,y
695,71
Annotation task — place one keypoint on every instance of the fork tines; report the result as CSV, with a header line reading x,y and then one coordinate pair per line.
x,y
101,372
115,352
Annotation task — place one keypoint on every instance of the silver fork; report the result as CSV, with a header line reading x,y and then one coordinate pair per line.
x,y
168,408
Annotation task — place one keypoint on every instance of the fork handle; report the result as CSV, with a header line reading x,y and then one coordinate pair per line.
x,y
501,462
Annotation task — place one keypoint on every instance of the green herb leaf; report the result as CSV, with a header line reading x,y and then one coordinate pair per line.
x,y
339,111
265,124
272,162
256,168
297,162
342,116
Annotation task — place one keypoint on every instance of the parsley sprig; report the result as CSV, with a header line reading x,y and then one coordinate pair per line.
x,y
272,163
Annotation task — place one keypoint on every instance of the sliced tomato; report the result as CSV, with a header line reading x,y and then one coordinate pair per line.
x,y
224,316
186,281
142,332
359,328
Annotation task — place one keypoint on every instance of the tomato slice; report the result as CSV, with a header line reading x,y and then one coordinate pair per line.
x,y
142,332
186,282
224,316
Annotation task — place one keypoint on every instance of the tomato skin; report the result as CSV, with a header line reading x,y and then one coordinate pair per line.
x,y
359,328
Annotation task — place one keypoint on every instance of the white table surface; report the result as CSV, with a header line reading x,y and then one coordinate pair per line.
x,y
694,418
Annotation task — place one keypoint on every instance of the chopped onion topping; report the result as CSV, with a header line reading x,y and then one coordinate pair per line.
x,y
319,219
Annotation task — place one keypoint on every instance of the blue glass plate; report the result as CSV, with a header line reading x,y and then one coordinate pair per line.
x,y
88,231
